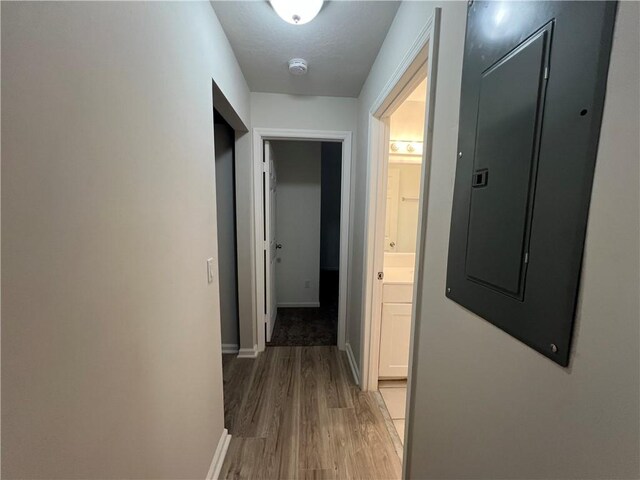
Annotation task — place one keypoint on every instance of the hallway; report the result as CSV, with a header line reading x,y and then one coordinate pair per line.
x,y
294,412
292,239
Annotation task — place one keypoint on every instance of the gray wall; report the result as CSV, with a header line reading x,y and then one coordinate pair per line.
x,y
111,364
245,241
483,404
331,154
225,208
297,222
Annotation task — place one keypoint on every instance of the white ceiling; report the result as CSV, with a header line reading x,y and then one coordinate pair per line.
x,y
340,44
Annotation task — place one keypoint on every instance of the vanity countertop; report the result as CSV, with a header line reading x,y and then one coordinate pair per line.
x,y
398,275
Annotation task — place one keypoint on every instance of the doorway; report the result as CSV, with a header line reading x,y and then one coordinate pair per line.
x,y
303,232
281,267
224,149
401,127
403,165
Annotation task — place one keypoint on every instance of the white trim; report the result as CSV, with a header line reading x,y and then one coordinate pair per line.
x,y
421,55
299,305
379,134
352,363
229,348
219,455
385,99
248,352
259,135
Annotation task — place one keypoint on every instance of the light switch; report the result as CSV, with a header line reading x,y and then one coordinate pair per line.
x,y
210,270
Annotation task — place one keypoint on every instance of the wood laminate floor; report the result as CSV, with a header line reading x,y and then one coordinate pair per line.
x,y
310,326
295,413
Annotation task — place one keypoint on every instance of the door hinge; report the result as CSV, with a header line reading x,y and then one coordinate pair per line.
x,y
526,257
546,73
380,275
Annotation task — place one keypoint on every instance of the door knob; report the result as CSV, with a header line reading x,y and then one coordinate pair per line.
x,y
278,246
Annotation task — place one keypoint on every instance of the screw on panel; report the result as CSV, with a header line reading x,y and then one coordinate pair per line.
x,y
459,154
448,290
554,348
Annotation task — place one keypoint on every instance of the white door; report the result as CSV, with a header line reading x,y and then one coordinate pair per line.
x,y
395,336
270,185
391,220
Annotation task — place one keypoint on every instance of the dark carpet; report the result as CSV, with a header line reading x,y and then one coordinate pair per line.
x,y
310,326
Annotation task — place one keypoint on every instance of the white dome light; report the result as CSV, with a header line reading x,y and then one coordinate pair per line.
x,y
297,12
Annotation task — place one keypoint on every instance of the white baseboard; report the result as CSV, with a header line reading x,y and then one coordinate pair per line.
x,y
248,352
299,305
353,364
218,456
230,348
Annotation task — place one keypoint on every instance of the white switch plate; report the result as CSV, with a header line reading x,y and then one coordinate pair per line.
x,y
210,270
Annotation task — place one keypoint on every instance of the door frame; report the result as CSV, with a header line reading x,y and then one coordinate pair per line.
x,y
422,57
269,169
344,137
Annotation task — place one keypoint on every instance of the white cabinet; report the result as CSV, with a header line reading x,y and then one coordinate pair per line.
x,y
395,336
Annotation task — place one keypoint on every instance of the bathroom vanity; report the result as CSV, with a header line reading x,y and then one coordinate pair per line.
x,y
395,328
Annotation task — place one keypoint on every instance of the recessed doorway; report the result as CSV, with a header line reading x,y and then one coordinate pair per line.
x,y
401,214
289,236
303,234
401,127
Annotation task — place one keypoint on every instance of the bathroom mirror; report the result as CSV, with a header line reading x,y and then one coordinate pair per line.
x,y
404,172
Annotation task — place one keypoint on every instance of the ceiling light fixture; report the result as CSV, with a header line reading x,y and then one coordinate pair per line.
x,y
400,147
297,12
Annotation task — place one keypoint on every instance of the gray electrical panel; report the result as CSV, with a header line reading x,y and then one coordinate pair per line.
x,y
533,87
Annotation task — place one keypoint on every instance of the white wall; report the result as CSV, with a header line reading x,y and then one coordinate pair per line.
x,y
407,122
111,364
275,110
297,223
225,208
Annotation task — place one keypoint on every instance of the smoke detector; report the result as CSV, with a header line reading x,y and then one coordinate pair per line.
x,y
298,66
